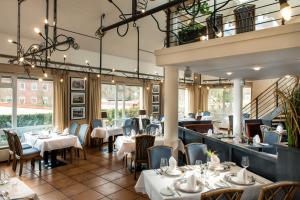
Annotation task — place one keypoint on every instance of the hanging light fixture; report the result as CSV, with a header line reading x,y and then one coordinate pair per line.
x,y
285,10
187,72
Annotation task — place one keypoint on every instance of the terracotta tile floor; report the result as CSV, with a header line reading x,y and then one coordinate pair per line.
x,y
101,176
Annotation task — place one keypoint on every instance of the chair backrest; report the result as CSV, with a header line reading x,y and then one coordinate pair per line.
x,y
17,145
253,129
151,129
155,154
82,135
271,137
230,118
206,113
222,194
96,123
201,128
145,122
264,128
195,151
142,143
192,115
136,124
10,140
284,190
73,128
131,124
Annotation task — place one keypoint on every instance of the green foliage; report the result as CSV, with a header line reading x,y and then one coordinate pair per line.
x,y
26,120
131,112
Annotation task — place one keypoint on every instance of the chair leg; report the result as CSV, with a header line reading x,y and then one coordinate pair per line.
x,y
14,166
9,158
40,165
21,167
84,153
135,165
71,155
32,164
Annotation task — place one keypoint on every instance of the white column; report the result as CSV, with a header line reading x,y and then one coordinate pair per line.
x,y
237,106
171,106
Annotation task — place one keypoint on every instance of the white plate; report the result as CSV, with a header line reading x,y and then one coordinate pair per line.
x,y
231,178
175,172
182,186
167,192
44,136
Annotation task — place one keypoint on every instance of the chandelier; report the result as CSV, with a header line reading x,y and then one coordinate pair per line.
x,y
39,54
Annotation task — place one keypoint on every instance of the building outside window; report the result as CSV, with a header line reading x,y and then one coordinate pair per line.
x,y
21,86
45,101
33,100
21,100
45,87
183,102
34,86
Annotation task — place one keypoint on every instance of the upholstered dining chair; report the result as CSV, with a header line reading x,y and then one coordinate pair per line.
x,y
127,126
73,128
284,190
271,137
10,141
142,143
22,155
95,123
195,151
192,115
82,136
156,153
151,129
264,128
222,194
136,125
145,123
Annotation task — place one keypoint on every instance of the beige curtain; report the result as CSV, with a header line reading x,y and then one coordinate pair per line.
x,y
94,97
61,102
148,97
192,100
162,97
203,100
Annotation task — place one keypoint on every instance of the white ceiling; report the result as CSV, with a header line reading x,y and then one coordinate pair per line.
x,y
84,17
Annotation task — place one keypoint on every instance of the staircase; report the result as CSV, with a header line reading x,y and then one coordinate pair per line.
x,y
267,104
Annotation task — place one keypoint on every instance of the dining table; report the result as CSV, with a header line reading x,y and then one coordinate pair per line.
x,y
47,142
107,133
16,189
152,182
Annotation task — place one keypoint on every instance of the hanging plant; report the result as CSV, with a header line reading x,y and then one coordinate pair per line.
x,y
290,101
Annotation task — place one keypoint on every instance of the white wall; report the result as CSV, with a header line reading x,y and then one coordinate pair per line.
x,y
259,86
80,56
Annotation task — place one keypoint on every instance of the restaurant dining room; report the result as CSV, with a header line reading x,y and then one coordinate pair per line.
x,y
149,99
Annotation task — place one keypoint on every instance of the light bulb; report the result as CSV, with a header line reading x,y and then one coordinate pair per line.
x,y
37,30
147,88
257,68
61,80
98,75
113,80
200,86
65,56
229,73
162,80
10,40
32,66
86,62
143,10
21,59
286,11
45,75
113,70
35,46
207,88
46,21
85,78
40,79
287,76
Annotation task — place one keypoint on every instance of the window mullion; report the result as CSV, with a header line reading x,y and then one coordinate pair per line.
x,y
15,102
123,101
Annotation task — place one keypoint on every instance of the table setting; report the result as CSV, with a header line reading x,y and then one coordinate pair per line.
x,y
188,182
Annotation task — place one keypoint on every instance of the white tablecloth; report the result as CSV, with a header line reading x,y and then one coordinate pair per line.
x,y
125,144
104,133
151,184
55,142
17,189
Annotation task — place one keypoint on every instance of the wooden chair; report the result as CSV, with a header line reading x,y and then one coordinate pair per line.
x,y
142,143
284,190
222,194
22,155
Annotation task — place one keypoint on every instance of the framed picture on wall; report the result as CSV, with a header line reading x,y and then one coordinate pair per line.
x,y
77,113
155,89
77,84
77,98
155,109
155,98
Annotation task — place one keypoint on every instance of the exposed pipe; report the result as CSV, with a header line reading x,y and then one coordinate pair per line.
x,y
138,51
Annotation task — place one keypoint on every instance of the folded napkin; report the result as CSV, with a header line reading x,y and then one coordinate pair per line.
x,y
66,131
215,159
241,176
191,181
157,133
256,139
172,163
133,133
209,132
279,128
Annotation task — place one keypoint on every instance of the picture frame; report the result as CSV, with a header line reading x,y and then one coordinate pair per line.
x,y
77,113
77,98
155,98
156,89
155,109
77,84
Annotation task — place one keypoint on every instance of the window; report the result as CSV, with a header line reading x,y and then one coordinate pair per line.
x,y
21,100
34,86
120,102
21,86
45,87
45,101
183,102
33,100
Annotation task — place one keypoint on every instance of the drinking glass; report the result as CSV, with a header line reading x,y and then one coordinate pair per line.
x,y
163,164
198,164
245,161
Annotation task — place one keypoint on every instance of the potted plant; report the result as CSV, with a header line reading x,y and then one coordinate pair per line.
x,y
194,30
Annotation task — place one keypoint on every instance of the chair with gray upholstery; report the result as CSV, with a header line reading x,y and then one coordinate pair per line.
x,y
82,136
271,137
195,151
73,128
155,154
151,129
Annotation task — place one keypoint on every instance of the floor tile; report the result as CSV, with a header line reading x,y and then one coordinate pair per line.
x,y
108,188
125,181
43,189
94,182
54,195
62,183
74,171
112,176
87,195
123,195
74,189
84,177
100,171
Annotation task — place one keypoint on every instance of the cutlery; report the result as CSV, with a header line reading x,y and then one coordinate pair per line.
x,y
208,186
174,191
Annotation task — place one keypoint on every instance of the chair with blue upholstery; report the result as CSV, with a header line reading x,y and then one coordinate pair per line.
x,y
136,125
23,155
192,115
151,129
82,136
73,128
156,153
206,113
127,127
271,137
145,123
96,123
195,151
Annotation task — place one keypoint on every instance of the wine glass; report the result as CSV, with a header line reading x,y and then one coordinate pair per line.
x,y
198,164
163,164
245,161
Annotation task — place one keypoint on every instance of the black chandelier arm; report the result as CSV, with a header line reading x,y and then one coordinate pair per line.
x,y
123,18
217,9
192,6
